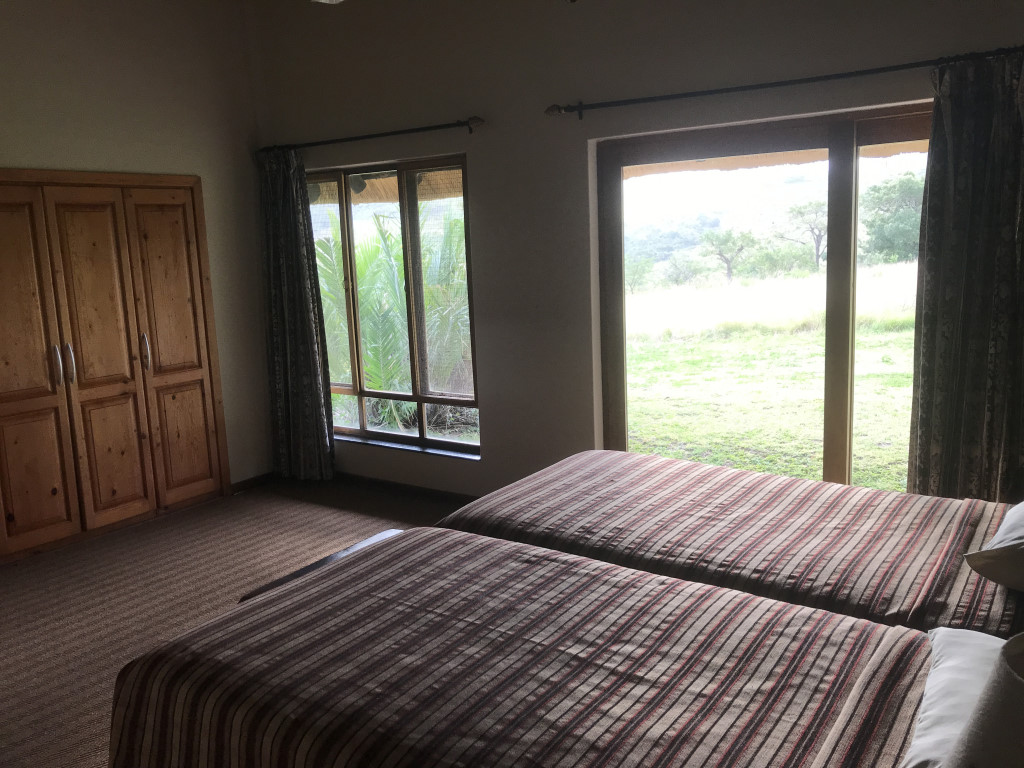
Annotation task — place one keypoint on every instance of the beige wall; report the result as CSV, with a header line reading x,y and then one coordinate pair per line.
x,y
156,87
161,86
371,65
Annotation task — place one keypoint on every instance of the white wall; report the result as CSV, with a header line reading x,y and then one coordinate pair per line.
x,y
374,65
155,87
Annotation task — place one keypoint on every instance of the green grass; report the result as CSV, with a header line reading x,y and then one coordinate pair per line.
x,y
751,396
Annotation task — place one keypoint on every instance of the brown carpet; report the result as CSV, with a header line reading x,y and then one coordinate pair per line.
x,y
72,617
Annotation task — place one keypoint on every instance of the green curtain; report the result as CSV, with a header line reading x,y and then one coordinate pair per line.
x,y
300,392
966,424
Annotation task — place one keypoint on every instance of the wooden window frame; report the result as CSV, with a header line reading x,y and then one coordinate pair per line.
x,y
415,317
842,134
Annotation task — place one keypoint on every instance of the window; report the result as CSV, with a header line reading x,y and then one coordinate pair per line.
x,y
757,293
393,264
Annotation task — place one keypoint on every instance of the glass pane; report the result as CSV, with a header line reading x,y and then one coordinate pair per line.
x,y
380,281
395,416
346,410
449,352
326,214
453,422
891,189
725,306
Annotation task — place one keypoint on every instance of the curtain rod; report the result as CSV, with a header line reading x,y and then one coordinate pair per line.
x,y
580,107
469,123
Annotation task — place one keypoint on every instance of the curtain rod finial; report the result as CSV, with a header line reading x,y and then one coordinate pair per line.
x,y
554,110
474,122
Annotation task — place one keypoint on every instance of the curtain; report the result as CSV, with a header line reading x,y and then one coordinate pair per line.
x,y
300,393
966,422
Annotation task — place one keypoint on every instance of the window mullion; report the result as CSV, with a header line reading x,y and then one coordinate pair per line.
x,y
414,285
355,343
840,274
469,274
409,202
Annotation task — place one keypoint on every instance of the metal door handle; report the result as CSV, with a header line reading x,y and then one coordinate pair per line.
x,y
72,369
146,351
58,366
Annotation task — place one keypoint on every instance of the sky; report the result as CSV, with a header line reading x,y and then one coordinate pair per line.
x,y
754,199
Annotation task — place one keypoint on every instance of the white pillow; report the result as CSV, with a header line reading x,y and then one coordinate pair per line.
x,y
994,736
961,663
1002,559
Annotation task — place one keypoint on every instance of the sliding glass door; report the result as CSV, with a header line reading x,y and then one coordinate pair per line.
x,y
890,188
725,309
731,332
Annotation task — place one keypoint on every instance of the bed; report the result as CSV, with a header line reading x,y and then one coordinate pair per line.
x,y
440,647
893,558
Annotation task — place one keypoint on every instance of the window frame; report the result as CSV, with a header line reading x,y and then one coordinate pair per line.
x,y
842,134
415,318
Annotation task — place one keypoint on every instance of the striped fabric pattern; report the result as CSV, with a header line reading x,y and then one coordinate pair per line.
x,y
894,558
441,648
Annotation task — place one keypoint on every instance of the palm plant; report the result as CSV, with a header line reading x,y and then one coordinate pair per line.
x,y
446,315
379,274
383,324
330,268
446,307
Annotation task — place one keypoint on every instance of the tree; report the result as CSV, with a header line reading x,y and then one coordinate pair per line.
x,y
775,258
685,266
659,245
729,247
636,270
810,225
891,212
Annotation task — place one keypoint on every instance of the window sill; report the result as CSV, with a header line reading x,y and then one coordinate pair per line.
x,y
470,452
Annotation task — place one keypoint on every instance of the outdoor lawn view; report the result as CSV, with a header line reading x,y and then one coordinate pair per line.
x,y
725,306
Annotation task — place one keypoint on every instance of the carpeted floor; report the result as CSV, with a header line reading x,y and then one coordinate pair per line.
x,y
70,618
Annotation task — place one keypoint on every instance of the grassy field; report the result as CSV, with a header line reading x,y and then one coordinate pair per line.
x,y
748,392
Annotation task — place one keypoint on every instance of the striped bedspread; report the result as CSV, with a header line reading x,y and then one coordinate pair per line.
x,y
441,648
894,558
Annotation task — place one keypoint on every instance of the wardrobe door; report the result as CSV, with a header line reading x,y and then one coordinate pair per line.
x,y
38,497
102,368
175,355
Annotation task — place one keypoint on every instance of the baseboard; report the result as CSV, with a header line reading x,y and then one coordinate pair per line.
x,y
10,557
431,493
252,482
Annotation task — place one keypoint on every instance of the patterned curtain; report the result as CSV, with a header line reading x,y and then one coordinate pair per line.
x,y
300,394
966,424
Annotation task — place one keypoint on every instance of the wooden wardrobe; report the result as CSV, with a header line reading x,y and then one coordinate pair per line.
x,y
110,403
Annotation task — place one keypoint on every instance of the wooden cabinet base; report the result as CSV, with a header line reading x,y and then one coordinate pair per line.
x,y
110,401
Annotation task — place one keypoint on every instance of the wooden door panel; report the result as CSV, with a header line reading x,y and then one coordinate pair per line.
x,y
162,235
118,477
166,258
38,494
34,496
24,339
184,423
92,259
94,286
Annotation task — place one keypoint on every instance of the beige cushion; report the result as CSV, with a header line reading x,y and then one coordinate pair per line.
x,y
994,736
1002,558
